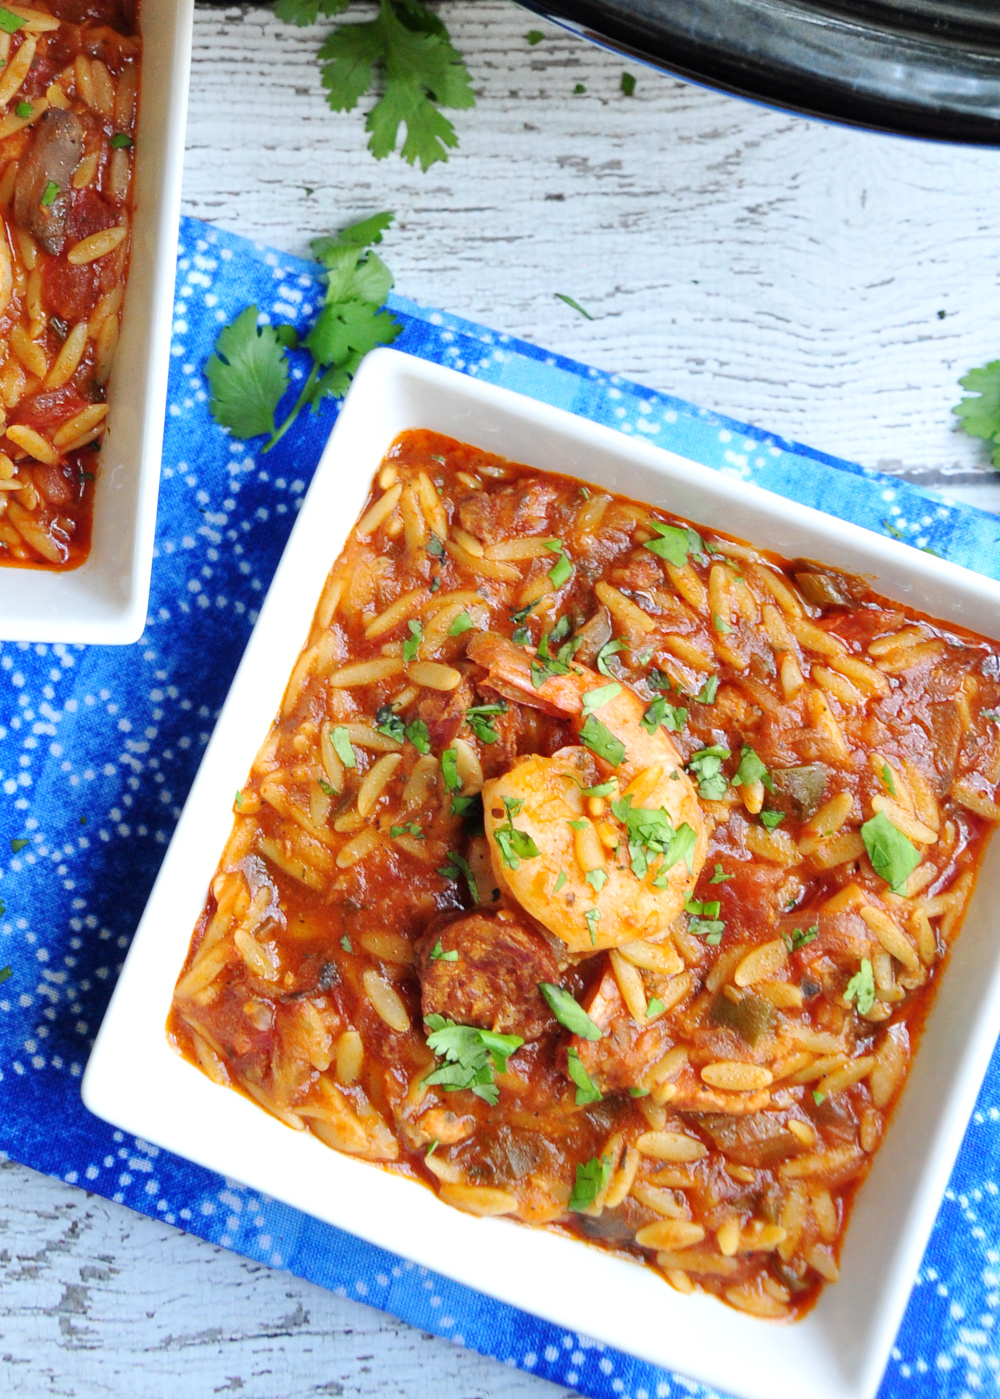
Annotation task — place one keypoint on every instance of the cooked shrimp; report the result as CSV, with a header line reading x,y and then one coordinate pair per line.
x,y
593,880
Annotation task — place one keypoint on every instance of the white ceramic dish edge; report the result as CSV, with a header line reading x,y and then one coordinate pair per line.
x,y
135,1081
104,600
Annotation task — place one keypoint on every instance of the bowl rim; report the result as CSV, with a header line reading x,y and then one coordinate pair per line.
x,y
135,1081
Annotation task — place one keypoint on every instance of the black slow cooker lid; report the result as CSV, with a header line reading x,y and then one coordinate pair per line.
x,y
928,68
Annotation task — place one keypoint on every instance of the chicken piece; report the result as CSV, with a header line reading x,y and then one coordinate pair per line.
x,y
510,512
493,982
41,195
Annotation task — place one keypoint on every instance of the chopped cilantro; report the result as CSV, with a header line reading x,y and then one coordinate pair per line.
x,y
720,624
596,879
708,691
650,832
560,296
239,794
751,769
655,1007
462,623
432,1148
600,740
577,88
659,679
342,746
49,195
345,943
706,765
5,974
449,769
660,713
799,939
412,644
121,141
720,877
993,714
628,84
889,780
597,699
861,988
562,570
10,23
458,866
515,845
409,829
419,735
545,664
480,721
602,789
592,917
772,819
818,1097
439,955
704,921
324,787
471,1056
388,722
560,881
534,36
435,584
609,649
434,546
520,633
638,1092
586,1089
18,844
578,825
591,1179
892,855
980,416
25,110
461,806
675,543
568,1011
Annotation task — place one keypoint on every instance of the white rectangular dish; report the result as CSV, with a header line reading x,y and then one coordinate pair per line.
x,y
104,600
135,1081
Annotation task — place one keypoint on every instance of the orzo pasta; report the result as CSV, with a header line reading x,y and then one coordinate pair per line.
x,y
598,872
69,88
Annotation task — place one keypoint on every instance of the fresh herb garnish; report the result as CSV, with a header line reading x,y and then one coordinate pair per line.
x,y
480,721
409,829
388,722
675,543
422,72
638,1092
601,789
751,769
534,36
412,644
419,735
861,988
597,699
720,624
708,691
818,1097
121,141
655,1007
660,713
545,664
10,23
435,583
591,1179
596,879
449,769
461,806
574,305
515,845
345,943
569,1012
799,939
49,195
587,1090
720,876
704,921
892,855
432,1148
771,820
980,416
324,787
560,881
438,953
519,636
434,546
628,84
25,110
600,740
462,623
650,832
659,679
609,649
471,1057
457,866
18,844
562,570
342,746
706,765
888,780
249,371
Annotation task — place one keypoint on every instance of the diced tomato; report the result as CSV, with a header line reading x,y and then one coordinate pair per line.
x,y
88,213
43,411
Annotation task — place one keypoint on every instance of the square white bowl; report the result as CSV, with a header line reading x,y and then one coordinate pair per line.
x,y
104,600
135,1081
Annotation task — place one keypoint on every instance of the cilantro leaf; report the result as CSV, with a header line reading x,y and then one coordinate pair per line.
x,y
456,867
597,699
660,713
345,943
720,876
587,1090
568,1011
342,746
462,623
562,570
248,375
655,1007
675,543
480,720
449,769
706,765
708,691
303,12
18,844
515,845
704,921
388,722
888,780
770,820
471,1056
861,988
751,769
658,679
609,649
600,740
422,71
980,415
534,36
410,828
893,856
419,735
545,664
438,953
560,296
799,939
560,881
628,84
591,1179
10,23
412,644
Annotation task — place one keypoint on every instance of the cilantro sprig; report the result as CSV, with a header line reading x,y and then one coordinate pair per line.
x,y
249,372
650,832
591,1178
471,1056
515,845
569,1012
421,69
979,414
893,856
706,765
861,988
587,1090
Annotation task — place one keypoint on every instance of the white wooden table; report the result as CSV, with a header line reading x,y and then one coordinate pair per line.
x,y
826,284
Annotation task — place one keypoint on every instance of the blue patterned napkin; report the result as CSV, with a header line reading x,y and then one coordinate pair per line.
x,y
98,747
